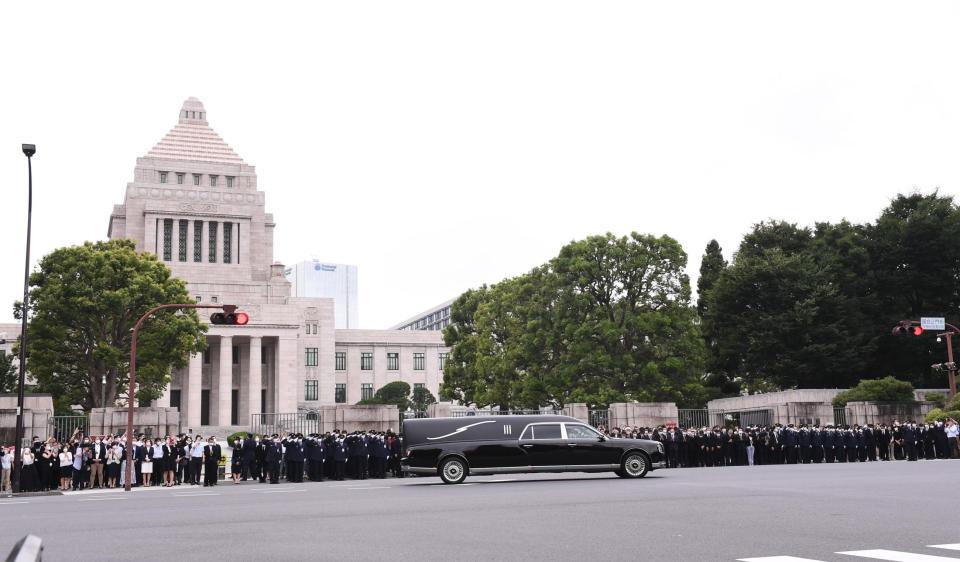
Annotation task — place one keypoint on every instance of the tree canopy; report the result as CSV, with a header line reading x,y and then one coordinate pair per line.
x,y
8,373
813,307
887,389
396,393
84,302
609,319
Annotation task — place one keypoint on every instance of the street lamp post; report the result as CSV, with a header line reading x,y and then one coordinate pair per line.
x,y
28,150
131,394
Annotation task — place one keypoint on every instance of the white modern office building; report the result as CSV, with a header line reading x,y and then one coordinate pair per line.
x,y
196,204
335,281
433,319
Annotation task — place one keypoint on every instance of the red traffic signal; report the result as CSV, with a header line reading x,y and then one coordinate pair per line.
x,y
907,329
230,319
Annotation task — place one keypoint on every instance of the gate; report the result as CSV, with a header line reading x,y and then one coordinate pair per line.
x,y
700,418
599,418
840,416
297,422
761,416
492,412
63,427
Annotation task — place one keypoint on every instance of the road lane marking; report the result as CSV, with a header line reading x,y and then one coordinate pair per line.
x,y
895,556
945,546
100,499
778,559
8,503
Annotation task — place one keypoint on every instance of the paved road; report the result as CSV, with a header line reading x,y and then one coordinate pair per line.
x,y
811,512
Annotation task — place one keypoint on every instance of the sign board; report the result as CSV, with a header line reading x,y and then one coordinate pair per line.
x,y
933,324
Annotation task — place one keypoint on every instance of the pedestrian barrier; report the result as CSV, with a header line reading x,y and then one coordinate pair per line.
x,y
280,423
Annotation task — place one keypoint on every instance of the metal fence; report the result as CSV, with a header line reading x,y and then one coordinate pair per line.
x,y
759,416
63,427
598,418
700,418
840,416
491,412
297,422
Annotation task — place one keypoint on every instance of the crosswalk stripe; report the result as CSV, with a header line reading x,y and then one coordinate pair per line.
x,y
777,559
945,546
895,556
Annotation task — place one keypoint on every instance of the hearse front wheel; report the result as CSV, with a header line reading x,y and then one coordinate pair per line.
x,y
453,471
635,465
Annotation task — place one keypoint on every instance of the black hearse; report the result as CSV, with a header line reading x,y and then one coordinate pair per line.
x,y
452,448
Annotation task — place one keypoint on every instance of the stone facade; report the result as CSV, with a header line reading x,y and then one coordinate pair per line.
x,y
37,409
196,204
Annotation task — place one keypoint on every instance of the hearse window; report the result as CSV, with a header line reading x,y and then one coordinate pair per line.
x,y
580,432
542,431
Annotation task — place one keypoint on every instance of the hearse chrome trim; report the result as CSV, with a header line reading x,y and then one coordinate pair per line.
x,y
460,430
554,468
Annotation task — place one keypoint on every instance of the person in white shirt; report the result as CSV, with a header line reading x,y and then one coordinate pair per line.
x,y
953,432
65,458
6,465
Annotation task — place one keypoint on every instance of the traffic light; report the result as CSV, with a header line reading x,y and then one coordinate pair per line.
x,y
230,318
907,329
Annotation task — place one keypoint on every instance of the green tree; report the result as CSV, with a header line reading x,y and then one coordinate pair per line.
x,y
915,266
609,319
421,398
781,317
396,393
84,302
719,383
887,389
8,373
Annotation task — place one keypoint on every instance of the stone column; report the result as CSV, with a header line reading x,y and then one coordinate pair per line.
x,y
190,232
254,382
225,381
164,400
286,378
190,394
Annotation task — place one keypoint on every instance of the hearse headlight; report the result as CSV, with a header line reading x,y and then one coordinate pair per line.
x,y
408,453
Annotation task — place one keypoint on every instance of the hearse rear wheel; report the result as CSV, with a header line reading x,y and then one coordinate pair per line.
x,y
635,465
453,471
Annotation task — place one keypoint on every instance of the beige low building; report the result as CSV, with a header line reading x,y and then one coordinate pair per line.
x,y
196,204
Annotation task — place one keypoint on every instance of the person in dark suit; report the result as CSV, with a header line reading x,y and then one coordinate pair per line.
x,y
816,445
98,457
803,439
272,455
828,436
850,444
339,457
249,453
910,441
317,455
294,456
791,444
869,437
260,459
882,436
211,463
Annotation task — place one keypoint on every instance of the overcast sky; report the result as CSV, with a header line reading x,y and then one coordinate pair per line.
x,y
443,145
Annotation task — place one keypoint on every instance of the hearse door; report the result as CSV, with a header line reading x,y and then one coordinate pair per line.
x,y
544,445
587,449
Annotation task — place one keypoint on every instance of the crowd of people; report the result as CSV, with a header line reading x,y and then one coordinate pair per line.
x,y
83,462
799,444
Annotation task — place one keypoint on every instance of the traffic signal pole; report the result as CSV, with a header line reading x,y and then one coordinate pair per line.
x,y
131,395
915,327
951,366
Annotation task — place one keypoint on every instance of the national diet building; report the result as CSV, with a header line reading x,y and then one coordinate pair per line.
x,y
196,204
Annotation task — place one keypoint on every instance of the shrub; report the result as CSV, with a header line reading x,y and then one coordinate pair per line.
x,y
887,389
938,399
938,414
